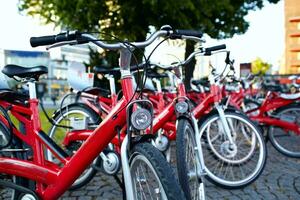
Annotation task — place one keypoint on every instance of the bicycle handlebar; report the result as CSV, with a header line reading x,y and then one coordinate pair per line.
x,y
85,38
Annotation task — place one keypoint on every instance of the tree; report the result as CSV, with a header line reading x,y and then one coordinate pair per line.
x,y
131,19
258,66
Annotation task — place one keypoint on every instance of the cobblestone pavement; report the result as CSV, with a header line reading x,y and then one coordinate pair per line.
x,y
280,180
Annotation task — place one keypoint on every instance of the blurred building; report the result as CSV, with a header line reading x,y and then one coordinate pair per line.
x,y
61,60
245,69
292,37
58,62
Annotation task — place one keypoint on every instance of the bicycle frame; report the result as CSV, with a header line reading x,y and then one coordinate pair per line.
x,y
48,175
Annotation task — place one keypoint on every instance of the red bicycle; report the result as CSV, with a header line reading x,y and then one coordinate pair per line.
x,y
146,173
278,113
222,155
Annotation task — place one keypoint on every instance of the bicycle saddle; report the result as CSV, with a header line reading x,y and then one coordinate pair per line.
x,y
24,72
104,70
13,97
97,91
153,74
204,82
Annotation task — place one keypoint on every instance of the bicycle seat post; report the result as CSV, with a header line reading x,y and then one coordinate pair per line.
x,y
33,102
32,88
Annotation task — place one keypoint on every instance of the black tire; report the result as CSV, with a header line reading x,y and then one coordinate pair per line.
x,y
153,159
217,154
90,172
187,159
285,142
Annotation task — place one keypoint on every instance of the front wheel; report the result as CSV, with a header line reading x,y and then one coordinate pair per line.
x,y
237,164
285,141
188,173
153,177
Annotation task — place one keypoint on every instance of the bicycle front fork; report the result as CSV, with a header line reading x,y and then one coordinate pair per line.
x,y
201,169
225,124
126,169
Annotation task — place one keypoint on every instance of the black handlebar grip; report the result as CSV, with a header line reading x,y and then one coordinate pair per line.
x,y
52,39
193,33
215,48
43,40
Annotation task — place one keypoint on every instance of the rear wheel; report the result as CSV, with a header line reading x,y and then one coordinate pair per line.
x,y
153,177
232,165
285,141
63,117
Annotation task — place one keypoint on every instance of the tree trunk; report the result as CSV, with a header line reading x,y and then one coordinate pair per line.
x,y
189,68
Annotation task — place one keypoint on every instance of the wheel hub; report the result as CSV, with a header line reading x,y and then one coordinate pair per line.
x,y
161,143
228,150
112,165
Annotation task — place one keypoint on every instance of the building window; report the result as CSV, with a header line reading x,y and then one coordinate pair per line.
x,y
298,56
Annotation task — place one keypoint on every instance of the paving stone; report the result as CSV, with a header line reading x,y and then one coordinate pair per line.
x,y
280,180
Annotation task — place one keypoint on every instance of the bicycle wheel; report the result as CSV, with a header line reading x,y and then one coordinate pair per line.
x,y
232,165
152,176
187,160
63,117
251,105
286,142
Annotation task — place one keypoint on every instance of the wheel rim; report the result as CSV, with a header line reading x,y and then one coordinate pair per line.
x,y
53,134
191,162
146,183
287,141
240,168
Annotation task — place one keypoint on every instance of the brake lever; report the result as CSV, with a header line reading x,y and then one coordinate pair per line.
x,y
73,42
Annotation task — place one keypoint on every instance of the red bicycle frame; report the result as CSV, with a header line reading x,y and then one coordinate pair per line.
x,y
272,102
48,175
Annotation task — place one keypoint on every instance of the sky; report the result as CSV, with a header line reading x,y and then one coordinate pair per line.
x,y
264,38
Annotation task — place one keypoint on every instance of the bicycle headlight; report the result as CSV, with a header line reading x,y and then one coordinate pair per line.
x,y
182,107
141,119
